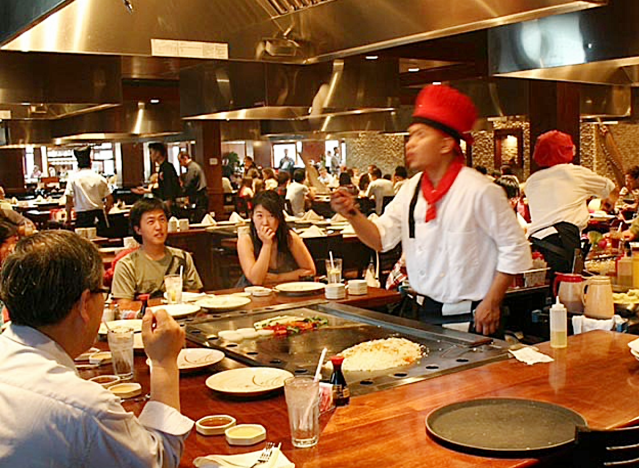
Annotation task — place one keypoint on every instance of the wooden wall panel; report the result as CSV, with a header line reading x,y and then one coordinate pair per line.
x,y
11,170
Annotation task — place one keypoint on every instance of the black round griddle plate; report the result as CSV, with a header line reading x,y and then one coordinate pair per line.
x,y
504,426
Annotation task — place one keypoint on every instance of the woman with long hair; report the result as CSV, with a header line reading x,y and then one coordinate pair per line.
x,y
270,252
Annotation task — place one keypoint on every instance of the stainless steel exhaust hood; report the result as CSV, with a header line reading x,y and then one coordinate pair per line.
x,y
270,30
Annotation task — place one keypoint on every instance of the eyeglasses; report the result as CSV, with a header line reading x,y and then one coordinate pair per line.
x,y
101,290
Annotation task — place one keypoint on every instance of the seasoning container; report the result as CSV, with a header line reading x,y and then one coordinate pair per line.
x,y
624,271
214,425
245,434
341,393
558,325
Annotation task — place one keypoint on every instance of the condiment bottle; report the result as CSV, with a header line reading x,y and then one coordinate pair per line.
x,y
341,393
558,325
145,299
624,271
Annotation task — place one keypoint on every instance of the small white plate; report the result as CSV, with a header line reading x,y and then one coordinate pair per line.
x,y
196,358
136,324
224,302
188,296
299,287
249,381
177,310
258,291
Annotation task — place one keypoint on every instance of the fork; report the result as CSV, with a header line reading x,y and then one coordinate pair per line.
x,y
265,455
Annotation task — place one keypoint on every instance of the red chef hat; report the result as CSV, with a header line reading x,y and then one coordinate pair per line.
x,y
553,147
447,110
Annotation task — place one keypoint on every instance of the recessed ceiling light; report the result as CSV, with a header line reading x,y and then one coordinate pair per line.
x,y
154,101
437,83
372,57
413,69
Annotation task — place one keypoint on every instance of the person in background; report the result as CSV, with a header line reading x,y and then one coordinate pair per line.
x,y
378,189
248,164
194,185
286,163
510,185
168,181
336,162
36,173
270,182
364,182
557,195
399,178
89,193
143,271
298,193
50,415
246,189
355,176
271,252
227,187
326,178
628,200
4,203
283,178
460,238
346,183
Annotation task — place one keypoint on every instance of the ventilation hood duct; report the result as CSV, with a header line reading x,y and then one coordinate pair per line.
x,y
599,46
291,31
263,91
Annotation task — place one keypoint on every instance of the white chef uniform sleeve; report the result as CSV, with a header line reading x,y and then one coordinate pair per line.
x,y
389,224
497,219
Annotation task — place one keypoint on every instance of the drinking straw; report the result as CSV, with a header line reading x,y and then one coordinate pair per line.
x,y
330,254
181,270
106,324
318,371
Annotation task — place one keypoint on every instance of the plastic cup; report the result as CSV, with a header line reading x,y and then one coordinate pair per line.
x,y
121,346
334,270
173,286
302,402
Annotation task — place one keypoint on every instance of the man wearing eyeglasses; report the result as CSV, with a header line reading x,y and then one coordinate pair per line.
x,y
49,416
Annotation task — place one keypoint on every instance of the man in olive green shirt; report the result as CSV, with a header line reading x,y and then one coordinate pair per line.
x,y
143,271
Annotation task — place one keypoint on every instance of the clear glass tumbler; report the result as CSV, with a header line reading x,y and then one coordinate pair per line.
x,y
173,285
302,402
121,346
334,270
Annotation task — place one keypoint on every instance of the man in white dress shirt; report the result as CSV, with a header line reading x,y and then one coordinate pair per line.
x,y
460,237
378,189
49,416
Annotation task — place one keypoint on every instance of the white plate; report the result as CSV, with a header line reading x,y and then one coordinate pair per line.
x,y
249,381
136,324
635,354
299,287
196,358
177,310
224,302
188,296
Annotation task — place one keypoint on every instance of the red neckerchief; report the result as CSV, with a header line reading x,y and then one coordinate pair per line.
x,y
432,194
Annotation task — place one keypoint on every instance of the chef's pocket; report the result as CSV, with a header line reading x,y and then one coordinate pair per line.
x,y
462,251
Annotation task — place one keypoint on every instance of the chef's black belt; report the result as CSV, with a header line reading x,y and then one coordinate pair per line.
x,y
430,311
411,210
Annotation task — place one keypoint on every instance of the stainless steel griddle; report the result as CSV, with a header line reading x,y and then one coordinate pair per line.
x,y
446,351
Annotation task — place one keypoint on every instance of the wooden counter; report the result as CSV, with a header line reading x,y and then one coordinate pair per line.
x,y
595,376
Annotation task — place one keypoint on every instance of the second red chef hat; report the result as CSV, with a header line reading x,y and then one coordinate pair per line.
x,y
553,147
447,110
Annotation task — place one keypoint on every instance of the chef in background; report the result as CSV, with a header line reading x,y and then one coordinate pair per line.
x,y
460,237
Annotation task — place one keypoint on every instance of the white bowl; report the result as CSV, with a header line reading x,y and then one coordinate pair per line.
x,y
245,434
215,424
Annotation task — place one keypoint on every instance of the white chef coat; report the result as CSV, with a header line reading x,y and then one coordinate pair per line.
x,y
50,417
456,256
87,189
559,193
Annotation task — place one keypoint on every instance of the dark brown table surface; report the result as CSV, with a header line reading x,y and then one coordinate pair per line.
x,y
595,376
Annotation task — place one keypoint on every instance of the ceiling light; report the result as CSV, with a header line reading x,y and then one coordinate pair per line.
x,y
413,69
372,57
436,83
154,101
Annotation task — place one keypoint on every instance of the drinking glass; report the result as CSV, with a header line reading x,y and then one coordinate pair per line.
x,y
173,286
121,345
302,402
334,270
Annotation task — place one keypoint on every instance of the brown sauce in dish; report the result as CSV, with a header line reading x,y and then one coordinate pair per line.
x,y
215,422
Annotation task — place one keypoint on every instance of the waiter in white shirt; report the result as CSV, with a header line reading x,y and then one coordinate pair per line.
x,y
460,237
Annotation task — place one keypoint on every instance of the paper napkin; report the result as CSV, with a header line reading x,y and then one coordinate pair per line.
x,y
530,355
278,460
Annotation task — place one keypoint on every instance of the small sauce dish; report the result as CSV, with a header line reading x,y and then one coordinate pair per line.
x,y
105,380
99,358
126,390
245,434
214,425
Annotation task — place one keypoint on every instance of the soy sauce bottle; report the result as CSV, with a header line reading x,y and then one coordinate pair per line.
x,y
145,302
341,393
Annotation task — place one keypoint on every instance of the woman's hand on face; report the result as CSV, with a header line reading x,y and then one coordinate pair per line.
x,y
266,235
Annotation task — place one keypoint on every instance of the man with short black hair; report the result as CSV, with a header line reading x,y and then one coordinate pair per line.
x,y
399,178
143,271
89,193
297,192
49,416
168,181
194,185
378,189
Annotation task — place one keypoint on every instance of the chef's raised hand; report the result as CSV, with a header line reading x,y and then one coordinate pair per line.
x,y
343,203
487,317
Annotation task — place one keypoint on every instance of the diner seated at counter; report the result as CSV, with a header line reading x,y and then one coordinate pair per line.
x,y
143,270
378,189
270,252
298,193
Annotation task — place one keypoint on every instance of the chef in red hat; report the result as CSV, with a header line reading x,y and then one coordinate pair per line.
x,y
460,237
557,196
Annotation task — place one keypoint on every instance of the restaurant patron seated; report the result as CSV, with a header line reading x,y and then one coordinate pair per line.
x,y
271,252
143,271
49,416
